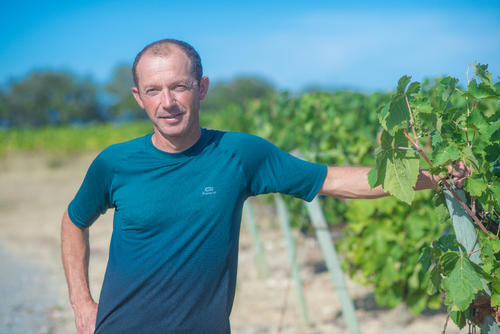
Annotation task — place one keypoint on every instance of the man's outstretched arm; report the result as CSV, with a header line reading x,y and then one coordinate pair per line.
x,y
352,182
75,257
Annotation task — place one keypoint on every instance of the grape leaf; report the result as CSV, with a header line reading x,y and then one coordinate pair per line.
x,y
447,242
424,108
397,170
491,129
439,203
481,91
483,74
462,283
495,189
383,114
475,185
425,259
495,244
476,120
495,293
434,285
413,88
449,84
428,118
436,139
395,115
488,249
467,154
444,152
449,261
402,83
372,177
459,318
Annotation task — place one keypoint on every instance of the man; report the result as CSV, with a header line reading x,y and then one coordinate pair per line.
x,y
178,195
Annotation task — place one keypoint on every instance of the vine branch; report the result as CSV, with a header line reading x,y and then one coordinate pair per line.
x,y
412,122
474,251
404,148
445,183
447,318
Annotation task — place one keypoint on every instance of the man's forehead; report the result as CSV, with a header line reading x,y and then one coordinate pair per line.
x,y
154,64
178,57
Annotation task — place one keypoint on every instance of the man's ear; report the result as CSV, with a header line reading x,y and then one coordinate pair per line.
x,y
137,97
204,83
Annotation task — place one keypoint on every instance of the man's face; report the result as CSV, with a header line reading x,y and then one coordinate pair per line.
x,y
170,94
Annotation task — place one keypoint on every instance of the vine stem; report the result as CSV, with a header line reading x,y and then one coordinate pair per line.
x,y
474,217
412,122
469,143
474,251
418,148
405,148
422,153
447,318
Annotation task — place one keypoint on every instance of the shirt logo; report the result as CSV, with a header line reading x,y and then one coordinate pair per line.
x,y
208,191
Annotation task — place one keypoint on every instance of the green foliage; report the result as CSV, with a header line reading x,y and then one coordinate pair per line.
x,y
235,94
382,247
69,139
74,139
453,124
396,167
329,128
49,98
119,87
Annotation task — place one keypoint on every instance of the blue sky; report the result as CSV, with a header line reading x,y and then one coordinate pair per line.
x,y
364,45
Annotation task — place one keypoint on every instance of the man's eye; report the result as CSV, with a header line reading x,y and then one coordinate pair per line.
x,y
152,92
180,88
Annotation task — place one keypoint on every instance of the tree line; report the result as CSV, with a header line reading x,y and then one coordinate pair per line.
x,y
47,97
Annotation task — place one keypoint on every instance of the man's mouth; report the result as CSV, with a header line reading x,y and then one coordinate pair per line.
x,y
172,116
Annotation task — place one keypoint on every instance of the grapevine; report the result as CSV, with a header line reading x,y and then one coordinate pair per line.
x,y
455,124
382,245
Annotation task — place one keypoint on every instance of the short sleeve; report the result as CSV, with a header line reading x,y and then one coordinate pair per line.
x,y
270,169
93,197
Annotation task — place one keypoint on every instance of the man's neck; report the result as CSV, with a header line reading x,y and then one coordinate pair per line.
x,y
175,144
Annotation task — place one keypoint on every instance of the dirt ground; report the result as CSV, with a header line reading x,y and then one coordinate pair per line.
x,y
34,192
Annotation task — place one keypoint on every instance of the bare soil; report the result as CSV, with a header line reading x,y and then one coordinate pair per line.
x,y
34,192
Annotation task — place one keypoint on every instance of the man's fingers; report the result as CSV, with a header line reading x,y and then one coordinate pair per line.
x,y
458,172
85,318
459,181
463,168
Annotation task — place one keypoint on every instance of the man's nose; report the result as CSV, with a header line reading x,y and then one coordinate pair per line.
x,y
167,99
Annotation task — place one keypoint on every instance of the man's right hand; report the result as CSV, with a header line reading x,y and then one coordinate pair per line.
x,y
75,255
458,172
85,317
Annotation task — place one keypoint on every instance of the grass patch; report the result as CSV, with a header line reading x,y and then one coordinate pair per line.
x,y
69,139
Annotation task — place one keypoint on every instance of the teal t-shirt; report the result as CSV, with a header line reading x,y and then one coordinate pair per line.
x,y
174,248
